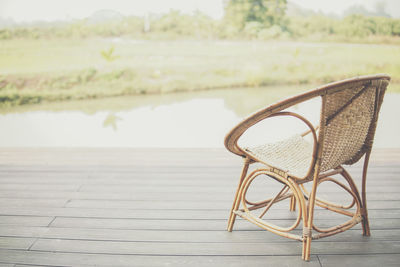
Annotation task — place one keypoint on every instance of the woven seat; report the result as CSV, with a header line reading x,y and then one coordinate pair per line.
x,y
348,118
292,155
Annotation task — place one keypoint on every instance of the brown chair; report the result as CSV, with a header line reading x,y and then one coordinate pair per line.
x,y
348,118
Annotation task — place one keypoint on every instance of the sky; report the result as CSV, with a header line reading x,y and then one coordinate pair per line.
x,y
51,10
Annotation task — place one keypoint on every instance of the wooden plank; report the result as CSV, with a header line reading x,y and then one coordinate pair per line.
x,y
76,156
360,260
115,213
194,189
46,187
227,193
80,259
41,194
176,173
221,167
227,168
213,249
16,243
181,235
152,196
168,178
199,225
26,220
173,204
160,214
373,186
183,225
18,202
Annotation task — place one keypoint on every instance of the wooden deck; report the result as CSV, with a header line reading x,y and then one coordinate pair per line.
x,y
165,207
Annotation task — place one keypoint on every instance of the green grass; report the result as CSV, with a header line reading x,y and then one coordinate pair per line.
x,y
33,71
256,98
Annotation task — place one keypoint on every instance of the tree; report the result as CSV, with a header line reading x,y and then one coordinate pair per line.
x,y
265,12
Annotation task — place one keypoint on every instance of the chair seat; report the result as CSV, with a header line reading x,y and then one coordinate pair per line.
x,y
292,155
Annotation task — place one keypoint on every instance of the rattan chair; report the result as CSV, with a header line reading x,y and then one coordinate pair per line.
x,y
348,118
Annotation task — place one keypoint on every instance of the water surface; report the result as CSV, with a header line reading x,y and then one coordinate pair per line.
x,y
196,119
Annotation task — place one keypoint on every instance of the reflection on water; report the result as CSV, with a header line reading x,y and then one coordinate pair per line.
x,y
111,121
196,119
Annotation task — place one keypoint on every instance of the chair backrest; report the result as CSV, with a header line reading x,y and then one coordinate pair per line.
x,y
348,120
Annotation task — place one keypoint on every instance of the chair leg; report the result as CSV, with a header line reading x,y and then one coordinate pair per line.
x,y
364,211
236,201
308,226
365,224
307,235
303,253
307,249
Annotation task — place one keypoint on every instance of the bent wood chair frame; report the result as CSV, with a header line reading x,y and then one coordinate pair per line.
x,y
337,98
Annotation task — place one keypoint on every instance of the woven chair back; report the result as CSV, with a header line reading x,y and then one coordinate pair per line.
x,y
348,122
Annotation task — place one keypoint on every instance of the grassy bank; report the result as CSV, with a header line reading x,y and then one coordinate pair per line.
x,y
33,71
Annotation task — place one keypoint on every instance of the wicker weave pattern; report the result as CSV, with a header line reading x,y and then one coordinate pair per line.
x,y
347,128
292,155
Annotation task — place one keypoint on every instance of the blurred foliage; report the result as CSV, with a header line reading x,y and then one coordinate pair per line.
x,y
156,67
351,27
244,19
71,60
109,55
265,13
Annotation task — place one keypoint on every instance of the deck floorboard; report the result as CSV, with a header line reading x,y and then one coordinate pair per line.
x,y
168,207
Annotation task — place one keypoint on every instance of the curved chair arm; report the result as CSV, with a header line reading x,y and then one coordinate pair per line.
x,y
309,131
233,136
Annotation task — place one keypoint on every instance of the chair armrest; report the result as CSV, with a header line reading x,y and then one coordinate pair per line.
x,y
234,135
309,131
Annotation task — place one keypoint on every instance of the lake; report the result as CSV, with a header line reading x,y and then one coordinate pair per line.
x,y
195,119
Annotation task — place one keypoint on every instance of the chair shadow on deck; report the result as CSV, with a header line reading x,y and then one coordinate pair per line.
x,y
348,119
